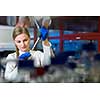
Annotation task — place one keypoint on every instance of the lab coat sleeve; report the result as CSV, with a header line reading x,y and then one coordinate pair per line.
x,y
42,58
11,71
47,54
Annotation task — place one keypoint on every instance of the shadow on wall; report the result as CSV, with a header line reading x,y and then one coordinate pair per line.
x,y
5,53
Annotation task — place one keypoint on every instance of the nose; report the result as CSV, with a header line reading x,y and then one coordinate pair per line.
x,y
22,44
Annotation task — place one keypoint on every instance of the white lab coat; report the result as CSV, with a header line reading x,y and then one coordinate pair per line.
x,y
40,59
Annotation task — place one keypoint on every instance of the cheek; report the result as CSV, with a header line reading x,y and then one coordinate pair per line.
x,y
17,45
28,42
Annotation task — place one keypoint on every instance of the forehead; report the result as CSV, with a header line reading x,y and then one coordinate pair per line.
x,y
21,36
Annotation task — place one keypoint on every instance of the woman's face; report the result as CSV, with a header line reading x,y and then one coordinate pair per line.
x,y
22,42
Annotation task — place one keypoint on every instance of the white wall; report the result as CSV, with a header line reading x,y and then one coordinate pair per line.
x,y
6,42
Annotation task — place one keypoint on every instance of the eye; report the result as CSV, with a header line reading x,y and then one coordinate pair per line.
x,y
18,41
25,40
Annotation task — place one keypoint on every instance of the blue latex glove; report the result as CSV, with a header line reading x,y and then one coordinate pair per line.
x,y
24,56
43,33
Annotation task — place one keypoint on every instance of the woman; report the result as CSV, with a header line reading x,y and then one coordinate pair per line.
x,y
21,40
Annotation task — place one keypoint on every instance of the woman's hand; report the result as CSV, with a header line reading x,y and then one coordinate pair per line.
x,y
24,56
43,33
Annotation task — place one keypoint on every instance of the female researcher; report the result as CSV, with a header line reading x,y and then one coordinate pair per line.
x,y
21,39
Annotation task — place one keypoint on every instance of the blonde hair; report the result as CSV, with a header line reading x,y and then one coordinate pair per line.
x,y
17,31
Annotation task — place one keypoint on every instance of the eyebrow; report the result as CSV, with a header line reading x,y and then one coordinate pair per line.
x,y
21,40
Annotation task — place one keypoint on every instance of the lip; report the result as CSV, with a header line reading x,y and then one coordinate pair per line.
x,y
23,48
